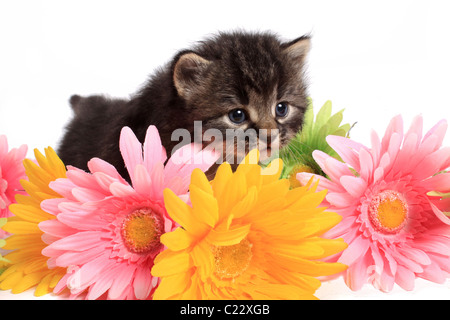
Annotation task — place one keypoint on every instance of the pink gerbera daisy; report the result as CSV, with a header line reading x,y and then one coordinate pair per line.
x,y
11,172
394,229
107,231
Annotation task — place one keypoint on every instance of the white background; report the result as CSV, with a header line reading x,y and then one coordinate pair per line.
x,y
376,59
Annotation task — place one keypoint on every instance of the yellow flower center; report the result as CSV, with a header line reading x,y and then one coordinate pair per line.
x,y
232,261
388,211
294,183
141,230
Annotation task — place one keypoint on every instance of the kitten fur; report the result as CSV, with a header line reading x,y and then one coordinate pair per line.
x,y
245,70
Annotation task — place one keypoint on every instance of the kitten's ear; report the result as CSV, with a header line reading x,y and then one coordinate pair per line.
x,y
188,73
297,49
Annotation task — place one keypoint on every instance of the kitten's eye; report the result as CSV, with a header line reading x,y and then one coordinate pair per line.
x,y
237,116
281,109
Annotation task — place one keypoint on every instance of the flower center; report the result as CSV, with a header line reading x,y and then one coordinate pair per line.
x,y
388,211
294,183
141,230
232,261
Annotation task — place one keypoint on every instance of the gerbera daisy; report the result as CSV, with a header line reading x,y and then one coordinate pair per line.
x,y
28,266
107,231
245,236
11,172
297,155
394,231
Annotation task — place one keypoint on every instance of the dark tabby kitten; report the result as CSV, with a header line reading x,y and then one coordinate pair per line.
x,y
234,80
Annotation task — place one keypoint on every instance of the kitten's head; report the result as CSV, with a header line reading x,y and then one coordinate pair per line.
x,y
249,82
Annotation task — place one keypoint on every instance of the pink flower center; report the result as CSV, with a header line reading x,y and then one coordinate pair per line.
x,y
141,230
388,211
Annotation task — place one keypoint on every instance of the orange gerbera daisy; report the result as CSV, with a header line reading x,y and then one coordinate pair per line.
x,y
246,236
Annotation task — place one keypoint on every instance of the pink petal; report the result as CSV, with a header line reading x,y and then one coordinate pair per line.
x,y
331,166
342,200
395,126
432,163
355,186
158,177
142,282
438,131
409,148
98,165
355,250
405,278
357,273
52,205
78,242
347,149
406,262
439,182
63,187
80,178
366,164
104,181
433,273
122,280
416,129
376,147
87,195
121,190
131,150
91,270
56,228
153,150
82,220
73,258
142,182
417,255
101,285
439,214
394,146
324,183
341,228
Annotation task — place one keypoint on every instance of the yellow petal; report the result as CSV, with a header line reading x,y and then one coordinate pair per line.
x,y
171,286
318,225
205,206
43,287
10,281
236,190
223,174
176,240
273,171
227,237
21,241
199,179
245,205
21,227
203,260
27,282
171,263
180,212
30,213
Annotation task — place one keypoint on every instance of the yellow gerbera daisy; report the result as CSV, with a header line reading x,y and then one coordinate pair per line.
x,y
28,267
246,236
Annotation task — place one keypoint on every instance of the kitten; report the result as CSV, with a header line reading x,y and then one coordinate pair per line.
x,y
236,80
